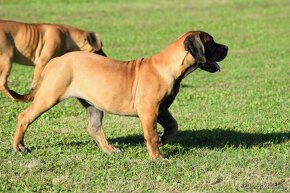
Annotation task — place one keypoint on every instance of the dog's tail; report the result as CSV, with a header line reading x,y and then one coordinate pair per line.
x,y
26,97
23,98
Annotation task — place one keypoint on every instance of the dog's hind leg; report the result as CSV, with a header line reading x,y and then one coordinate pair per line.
x,y
96,130
170,127
37,107
5,68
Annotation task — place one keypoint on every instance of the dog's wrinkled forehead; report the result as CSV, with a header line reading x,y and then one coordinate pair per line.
x,y
204,37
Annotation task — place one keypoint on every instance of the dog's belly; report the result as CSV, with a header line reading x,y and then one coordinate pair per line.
x,y
113,107
105,101
21,59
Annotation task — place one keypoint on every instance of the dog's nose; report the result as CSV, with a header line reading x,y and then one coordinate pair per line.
x,y
226,48
100,52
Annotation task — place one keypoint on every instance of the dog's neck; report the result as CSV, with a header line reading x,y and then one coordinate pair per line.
x,y
75,39
174,62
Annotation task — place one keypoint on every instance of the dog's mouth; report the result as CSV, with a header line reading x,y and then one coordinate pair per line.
x,y
210,66
216,65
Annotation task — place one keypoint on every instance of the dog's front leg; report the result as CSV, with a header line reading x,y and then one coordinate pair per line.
x,y
148,119
37,71
170,127
49,51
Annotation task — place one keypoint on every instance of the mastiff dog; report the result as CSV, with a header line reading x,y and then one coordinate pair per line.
x,y
143,88
36,44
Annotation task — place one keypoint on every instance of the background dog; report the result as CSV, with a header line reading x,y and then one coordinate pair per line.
x,y
36,44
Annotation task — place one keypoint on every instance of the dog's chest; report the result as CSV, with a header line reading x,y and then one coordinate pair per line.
x,y
168,99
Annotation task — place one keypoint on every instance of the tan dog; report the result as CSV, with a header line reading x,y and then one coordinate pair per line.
x,y
145,87
36,44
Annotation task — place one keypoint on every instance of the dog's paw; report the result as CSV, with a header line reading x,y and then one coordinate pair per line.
x,y
24,150
159,156
161,140
156,156
117,151
111,149
21,149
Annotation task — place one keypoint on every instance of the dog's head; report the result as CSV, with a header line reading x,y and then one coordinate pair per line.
x,y
205,50
84,41
94,43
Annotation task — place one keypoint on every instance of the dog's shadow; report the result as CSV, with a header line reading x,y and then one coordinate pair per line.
x,y
214,138
206,138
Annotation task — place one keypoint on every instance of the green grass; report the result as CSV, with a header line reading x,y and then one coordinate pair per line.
x,y
233,126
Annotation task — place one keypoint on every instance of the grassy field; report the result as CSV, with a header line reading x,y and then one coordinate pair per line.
x,y
233,125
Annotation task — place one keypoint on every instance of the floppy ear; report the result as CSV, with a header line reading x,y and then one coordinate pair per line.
x,y
193,45
94,40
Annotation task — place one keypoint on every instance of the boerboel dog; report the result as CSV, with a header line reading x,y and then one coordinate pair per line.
x,y
36,44
143,88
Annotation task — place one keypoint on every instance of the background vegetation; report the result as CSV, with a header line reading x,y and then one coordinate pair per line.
x,y
233,125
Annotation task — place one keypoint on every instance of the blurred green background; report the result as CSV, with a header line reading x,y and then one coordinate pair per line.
x,y
233,125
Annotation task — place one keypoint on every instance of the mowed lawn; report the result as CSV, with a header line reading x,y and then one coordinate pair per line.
x,y
233,125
